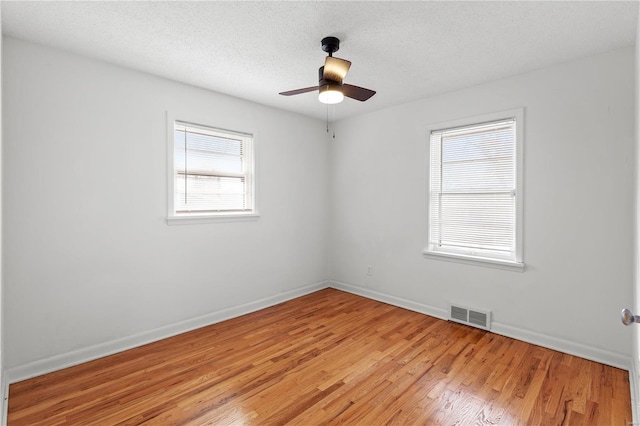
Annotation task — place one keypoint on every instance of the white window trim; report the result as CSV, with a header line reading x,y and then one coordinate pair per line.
x,y
199,218
478,261
518,264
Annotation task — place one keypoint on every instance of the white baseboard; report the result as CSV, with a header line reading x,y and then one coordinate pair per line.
x,y
591,353
58,362
573,348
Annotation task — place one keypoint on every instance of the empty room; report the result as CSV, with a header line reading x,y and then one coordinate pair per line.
x,y
319,213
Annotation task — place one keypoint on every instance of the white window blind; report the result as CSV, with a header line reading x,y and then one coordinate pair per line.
x,y
473,198
213,171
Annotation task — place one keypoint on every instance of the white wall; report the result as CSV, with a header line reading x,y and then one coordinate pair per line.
x,y
91,267
578,220
90,264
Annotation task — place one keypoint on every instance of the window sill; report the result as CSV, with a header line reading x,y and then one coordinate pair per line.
x,y
489,263
199,219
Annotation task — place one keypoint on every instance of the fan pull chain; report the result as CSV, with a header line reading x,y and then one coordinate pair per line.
x,y
333,118
333,110
327,118
333,113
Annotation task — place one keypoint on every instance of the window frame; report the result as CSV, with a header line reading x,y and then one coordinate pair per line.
x,y
174,218
463,256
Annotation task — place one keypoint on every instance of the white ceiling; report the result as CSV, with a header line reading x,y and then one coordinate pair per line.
x,y
253,50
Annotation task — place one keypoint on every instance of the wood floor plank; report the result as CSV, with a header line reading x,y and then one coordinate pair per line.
x,y
329,358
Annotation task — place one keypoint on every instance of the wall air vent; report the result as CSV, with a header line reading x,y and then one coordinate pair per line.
x,y
473,317
459,314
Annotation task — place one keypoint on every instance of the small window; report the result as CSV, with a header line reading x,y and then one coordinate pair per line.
x,y
475,199
212,173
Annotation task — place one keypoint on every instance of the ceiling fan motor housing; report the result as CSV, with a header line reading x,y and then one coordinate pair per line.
x,y
329,91
325,81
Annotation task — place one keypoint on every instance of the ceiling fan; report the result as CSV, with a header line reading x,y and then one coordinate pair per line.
x,y
331,89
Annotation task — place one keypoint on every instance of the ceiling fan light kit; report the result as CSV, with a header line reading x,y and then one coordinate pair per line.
x,y
330,94
331,89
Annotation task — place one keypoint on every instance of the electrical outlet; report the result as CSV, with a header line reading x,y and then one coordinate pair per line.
x,y
369,270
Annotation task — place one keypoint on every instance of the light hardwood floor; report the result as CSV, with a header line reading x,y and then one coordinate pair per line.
x,y
327,358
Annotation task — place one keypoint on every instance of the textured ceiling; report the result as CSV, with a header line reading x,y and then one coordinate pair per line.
x,y
253,50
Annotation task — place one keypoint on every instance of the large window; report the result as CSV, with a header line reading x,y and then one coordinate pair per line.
x,y
212,173
475,199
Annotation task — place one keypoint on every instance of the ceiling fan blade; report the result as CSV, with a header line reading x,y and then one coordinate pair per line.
x,y
299,91
357,93
335,69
